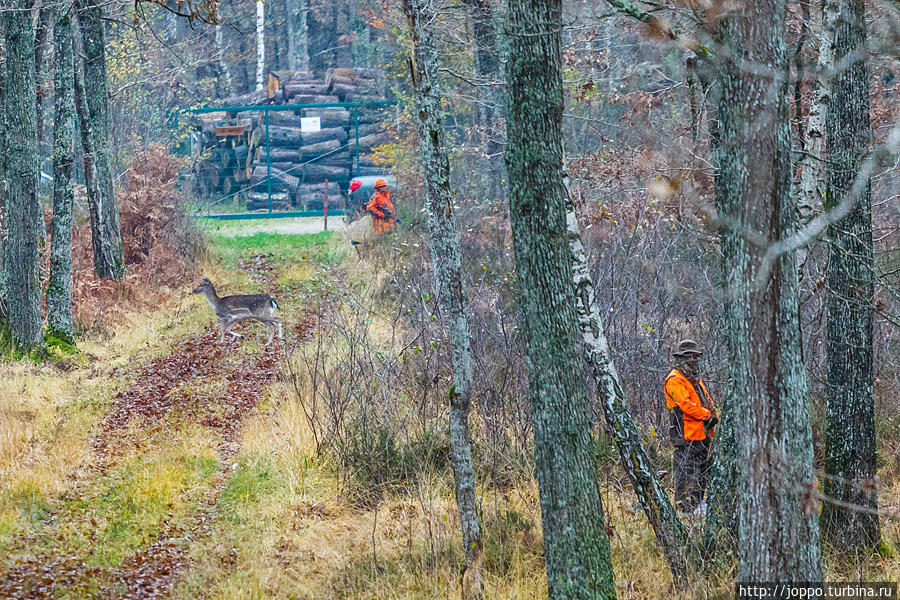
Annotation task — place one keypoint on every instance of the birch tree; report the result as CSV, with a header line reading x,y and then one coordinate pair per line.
x,y
24,220
651,495
260,44
812,162
107,239
576,548
223,64
778,536
850,513
445,257
59,288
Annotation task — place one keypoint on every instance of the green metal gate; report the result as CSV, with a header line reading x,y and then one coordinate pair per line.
x,y
282,160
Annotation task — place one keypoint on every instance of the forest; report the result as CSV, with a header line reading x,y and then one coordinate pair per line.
x,y
468,299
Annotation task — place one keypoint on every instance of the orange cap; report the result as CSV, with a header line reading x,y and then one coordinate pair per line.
x,y
380,183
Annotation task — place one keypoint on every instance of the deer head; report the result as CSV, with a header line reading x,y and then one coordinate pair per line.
x,y
205,286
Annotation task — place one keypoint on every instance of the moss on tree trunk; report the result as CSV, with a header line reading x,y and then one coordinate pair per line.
x,y
576,548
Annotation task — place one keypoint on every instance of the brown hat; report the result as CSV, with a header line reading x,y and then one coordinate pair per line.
x,y
687,348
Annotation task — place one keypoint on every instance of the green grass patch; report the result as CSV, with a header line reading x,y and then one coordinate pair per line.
x,y
141,498
130,509
285,248
252,480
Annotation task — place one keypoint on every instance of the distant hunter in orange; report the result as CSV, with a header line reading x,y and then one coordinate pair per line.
x,y
381,208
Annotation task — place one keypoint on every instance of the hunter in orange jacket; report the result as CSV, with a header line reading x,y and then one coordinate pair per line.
x,y
381,208
694,412
692,418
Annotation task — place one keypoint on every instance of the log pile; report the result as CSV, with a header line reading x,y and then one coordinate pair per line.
x,y
250,152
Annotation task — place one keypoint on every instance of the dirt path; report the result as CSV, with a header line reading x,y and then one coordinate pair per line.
x,y
299,225
203,381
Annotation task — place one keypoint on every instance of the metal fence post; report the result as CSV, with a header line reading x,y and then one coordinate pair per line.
x,y
325,204
356,154
268,163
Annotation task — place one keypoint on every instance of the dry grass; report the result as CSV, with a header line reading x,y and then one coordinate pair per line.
x,y
282,526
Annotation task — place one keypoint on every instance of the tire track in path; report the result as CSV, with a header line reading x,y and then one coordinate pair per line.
x,y
231,384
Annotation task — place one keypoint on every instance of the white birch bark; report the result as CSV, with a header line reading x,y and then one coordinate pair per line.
x,y
260,44
653,499
812,165
223,64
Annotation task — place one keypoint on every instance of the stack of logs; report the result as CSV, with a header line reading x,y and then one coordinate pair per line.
x,y
251,153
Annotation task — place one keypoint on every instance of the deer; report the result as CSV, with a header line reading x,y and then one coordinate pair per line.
x,y
234,309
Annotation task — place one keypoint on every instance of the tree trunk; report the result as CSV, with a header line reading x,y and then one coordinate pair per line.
x,y
108,261
291,11
223,64
303,47
59,288
41,33
666,525
778,537
812,163
487,70
260,44
103,252
576,548
25,223
4,149
720,528
849,516
445,256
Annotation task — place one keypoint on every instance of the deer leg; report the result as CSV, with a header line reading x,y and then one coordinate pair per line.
x,y
226,328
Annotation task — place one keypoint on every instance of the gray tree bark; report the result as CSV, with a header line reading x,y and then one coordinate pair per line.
x,y
849,515
652,496
91,183
24,221
44,25
107,243
291,11
576,548
778,536
59,288
445,256
3,181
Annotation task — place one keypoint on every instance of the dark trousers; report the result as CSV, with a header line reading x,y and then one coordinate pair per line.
x,y
692,462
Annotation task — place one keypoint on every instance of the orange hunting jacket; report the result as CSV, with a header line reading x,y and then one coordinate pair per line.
x,y
376,206
686,408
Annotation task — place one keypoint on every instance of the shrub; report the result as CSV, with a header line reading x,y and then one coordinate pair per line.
x,y
159,243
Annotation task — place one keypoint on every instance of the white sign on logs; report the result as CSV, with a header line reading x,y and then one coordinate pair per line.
x,y
310,124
